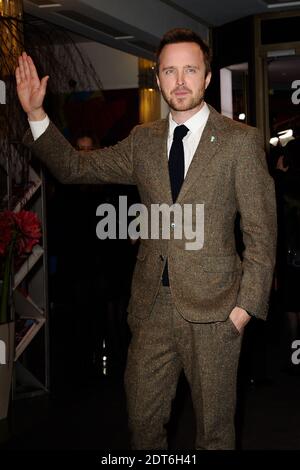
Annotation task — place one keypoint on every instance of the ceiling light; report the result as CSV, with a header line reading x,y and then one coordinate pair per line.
x,y
285,136
281,53
120,38
50,5
274,141
286,133
283,4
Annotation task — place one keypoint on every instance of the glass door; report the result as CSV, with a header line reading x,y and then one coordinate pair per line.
x,y
283,76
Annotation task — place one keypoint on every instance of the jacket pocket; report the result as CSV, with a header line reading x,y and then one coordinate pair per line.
x,y
233,327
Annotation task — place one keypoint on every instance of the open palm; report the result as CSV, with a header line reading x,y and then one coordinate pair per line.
x,y
31,90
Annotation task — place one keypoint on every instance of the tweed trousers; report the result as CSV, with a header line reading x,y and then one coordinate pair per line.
x,y
161,347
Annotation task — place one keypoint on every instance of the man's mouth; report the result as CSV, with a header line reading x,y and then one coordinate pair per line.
x,y
181,93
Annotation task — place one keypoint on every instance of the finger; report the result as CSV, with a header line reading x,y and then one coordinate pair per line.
x,y
26,66
18,77
21,68
44,82
32,68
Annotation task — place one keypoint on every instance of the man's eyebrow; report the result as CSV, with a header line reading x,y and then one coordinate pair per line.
x,y
169,67
185,67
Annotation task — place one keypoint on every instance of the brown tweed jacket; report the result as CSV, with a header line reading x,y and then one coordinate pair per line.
x,y
228,174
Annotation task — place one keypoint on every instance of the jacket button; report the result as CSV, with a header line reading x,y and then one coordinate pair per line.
x,y
173,224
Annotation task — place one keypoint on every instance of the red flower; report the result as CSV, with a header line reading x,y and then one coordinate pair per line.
x,y
28,230
22,226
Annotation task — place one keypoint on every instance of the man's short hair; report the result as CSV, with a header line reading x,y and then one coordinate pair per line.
x,y
177,35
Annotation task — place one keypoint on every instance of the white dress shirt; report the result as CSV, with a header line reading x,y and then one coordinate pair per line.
x,y
190,142
38,127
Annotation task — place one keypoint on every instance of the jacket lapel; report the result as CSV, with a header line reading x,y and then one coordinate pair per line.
x,y
210,143
159,161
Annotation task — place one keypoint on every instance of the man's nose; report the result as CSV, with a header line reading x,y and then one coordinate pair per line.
x,y
180,77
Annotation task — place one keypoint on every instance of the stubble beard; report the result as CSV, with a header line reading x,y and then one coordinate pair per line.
x,y
183,104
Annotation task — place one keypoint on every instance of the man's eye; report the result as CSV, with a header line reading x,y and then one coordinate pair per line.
x,y
169,71
190,70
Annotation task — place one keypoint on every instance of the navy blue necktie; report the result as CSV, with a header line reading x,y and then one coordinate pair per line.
x,y
176,171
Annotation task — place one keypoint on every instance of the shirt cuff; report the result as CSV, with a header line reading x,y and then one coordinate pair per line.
x,y
39,127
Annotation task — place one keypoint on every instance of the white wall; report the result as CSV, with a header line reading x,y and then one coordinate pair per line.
x,y
116,69
226,92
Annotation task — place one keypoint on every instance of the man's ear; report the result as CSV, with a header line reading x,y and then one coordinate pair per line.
x,y
158,82
207,79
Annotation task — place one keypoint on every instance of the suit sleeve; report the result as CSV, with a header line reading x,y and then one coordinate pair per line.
x,y
257,206
109,165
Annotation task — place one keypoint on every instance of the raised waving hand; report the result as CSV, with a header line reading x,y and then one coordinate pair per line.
x,y
31,90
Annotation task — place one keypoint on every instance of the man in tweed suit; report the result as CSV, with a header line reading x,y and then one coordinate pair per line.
x,y
188,308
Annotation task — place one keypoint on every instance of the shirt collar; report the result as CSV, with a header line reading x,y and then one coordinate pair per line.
x,y
194,123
